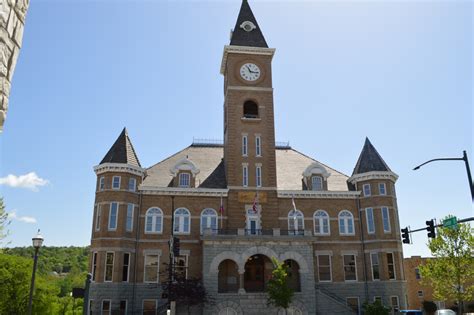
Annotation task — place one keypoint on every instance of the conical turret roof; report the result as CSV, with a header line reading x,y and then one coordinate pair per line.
x,y
370,160
246,31
122,151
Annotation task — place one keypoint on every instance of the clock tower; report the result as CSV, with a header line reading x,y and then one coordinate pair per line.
x,y
249,133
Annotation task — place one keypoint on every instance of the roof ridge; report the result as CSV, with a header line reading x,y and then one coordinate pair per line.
x,y
319,162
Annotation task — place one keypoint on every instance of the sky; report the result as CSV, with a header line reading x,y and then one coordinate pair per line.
x,y
398,72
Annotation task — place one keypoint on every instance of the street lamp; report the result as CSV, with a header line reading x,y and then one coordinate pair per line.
x,y
468,170
37,242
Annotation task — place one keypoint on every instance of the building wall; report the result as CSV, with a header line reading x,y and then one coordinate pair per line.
x,y
12,21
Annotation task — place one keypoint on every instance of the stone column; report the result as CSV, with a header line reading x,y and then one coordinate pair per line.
x,y
241,280
12,20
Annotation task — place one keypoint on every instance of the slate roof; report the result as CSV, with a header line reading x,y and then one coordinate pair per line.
x,y
240,37
122,151
370,160
290,167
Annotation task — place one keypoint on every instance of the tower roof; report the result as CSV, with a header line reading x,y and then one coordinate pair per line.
x,y
246,31
370,160
122,151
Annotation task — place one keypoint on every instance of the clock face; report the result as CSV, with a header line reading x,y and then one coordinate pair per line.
x,y
250,72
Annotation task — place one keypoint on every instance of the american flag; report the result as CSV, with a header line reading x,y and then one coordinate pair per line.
x,y
221,208
255,203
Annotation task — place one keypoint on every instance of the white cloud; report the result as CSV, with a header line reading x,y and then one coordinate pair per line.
x,y
13,216
29,181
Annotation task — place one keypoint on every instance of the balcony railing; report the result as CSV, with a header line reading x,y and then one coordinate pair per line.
x,y
257,232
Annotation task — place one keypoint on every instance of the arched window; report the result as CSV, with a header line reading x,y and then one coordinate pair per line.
x,y
295,220
321,223
209,220
154,221
250,109
182,219
227,311
346,223
293,279
316,183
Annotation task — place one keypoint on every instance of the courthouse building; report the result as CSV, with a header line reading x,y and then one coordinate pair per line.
x,y
233,211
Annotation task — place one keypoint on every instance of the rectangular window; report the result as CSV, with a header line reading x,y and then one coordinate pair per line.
x,y
395,304
367,190
245,175
113,215
181,266
132,184
91,304
417,274
98,214
109,266
350,268
391,266
125,267
316,183
102,183
149,307
244,146
386,220
105,307
258,176
374,259
353,303
94,266
324,268
151,268
369,213
184,180
382,190
116,182
123,307
129,221
420,294
258,146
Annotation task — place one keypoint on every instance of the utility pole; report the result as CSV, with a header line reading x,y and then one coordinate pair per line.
x,y
171,261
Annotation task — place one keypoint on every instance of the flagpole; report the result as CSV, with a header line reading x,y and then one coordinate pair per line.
x,y
221,210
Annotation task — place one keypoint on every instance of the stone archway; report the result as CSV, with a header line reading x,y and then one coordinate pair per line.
x,y
258,270
228,277
214,266
303,265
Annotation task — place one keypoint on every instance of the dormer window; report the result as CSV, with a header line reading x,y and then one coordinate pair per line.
x,y
184,180
184,173
315,177
316,183
250,109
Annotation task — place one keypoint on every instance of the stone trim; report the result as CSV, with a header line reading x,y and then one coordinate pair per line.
x,y
176,191
119,167
373,175
323,252
310,194
247,50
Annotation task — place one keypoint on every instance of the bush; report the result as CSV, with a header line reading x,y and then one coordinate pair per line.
x,y
429,307
376,308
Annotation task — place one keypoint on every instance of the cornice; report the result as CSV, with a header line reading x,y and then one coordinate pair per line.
x,y
176,191
119,167
244,50
309,194
373,175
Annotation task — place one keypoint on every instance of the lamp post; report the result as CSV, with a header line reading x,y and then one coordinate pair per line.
x,y
466,162
37,242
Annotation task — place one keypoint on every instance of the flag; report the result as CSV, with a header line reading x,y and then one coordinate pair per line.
x,y
255,203
221,208
295,222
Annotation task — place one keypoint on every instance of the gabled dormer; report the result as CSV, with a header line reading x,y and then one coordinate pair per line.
x,y
315,177
184,173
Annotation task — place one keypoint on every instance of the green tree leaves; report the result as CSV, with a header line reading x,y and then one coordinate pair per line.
x,y
279,292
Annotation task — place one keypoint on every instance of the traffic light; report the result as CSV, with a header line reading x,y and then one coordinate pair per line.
x,y
431,228
175,246
405,236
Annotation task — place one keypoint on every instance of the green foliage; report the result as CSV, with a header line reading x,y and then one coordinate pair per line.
x,y
429,307
451,273
376,308
52,289
279,292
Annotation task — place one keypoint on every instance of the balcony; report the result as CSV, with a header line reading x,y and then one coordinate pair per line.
x,y
255,233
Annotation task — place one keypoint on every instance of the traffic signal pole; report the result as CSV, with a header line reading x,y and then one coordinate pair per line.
x,y
406,231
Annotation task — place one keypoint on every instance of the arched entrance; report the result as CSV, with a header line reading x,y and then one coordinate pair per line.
x,y
293,275
258,270
228,277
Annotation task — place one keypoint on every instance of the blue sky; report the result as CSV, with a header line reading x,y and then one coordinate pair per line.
x,y
398,72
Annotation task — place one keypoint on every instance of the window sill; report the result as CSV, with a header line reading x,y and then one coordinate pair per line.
x,y
250,119
154,233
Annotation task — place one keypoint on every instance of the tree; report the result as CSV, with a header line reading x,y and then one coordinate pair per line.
x,y
3,221
376,308
187,292
451,271
279,292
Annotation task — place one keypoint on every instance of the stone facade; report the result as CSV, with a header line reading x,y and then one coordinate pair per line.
x,y
12,22
239,204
